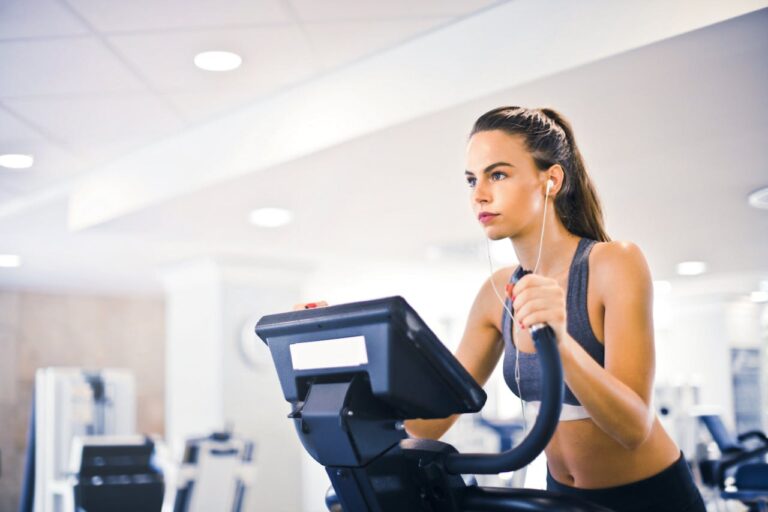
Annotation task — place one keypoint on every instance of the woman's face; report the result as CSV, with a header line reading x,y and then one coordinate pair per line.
x,y
507,190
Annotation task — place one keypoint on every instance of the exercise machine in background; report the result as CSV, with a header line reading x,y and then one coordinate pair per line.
x,y
72,404
509,433
83,453
738,470
115,474
215,473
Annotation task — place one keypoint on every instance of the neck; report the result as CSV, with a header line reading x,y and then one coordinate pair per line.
x,y
557,248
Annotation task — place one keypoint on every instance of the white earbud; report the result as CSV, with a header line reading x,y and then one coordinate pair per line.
x,y
550,186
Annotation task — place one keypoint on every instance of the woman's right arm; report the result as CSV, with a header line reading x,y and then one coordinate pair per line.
x,y
479,351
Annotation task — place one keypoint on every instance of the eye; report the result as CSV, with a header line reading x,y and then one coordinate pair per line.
x,y
498,176
471,181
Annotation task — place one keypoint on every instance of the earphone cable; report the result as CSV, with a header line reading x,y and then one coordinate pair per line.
x,y
508,310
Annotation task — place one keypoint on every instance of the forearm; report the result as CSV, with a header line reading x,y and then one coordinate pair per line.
x,y
430,429
614,407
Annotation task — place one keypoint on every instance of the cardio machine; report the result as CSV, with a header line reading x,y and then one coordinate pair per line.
x,y
354,372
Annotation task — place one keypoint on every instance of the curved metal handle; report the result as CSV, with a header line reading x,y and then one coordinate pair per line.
x,y
544,427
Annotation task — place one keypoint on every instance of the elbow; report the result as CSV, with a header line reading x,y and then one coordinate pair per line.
x,y
633,441
636,437
425,429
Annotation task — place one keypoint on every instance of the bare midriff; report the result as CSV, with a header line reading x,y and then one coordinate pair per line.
x,y
581,455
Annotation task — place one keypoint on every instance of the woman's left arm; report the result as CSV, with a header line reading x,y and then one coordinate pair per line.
x,y
618,396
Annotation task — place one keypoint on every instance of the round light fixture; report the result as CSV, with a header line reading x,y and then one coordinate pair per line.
x,y
10,260
759,198
691,268
218,61
270,217
15,161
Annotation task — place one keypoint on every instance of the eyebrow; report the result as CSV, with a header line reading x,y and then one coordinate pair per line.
x,y
490,168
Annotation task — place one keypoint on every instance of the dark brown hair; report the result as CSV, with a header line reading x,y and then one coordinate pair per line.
x,y
549,138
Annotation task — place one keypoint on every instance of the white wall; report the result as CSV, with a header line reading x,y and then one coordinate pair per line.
x,y
253,401
697,325
193,353
212,306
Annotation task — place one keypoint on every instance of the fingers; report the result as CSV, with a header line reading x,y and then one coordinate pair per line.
x,y
310,305
532,281
540,311
537,299
548,291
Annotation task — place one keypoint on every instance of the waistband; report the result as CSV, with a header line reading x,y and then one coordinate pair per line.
x,y
672,481
567,413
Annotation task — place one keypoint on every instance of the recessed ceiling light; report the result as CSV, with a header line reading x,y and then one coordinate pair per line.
x,y
9,260
270,217
17,161
759,198
691,268
218,61
759,296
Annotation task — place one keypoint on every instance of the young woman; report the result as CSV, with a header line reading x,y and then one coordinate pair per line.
x,y
529,184
596,294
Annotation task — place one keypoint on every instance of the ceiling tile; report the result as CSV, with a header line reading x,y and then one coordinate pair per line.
x,y
337,43
101,127
7,191
202,106
272,57
37,18
138,15
62,66
339,10
15,136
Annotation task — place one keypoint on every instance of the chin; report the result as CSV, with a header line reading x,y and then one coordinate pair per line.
x,y
495,235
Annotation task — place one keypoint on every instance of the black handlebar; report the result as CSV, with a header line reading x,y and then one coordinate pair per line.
x,y
544,427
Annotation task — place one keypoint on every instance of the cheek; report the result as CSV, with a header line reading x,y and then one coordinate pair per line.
x,y
514,198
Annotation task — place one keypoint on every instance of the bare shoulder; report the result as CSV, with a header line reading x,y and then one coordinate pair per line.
x,y
617,265
487,305
502,276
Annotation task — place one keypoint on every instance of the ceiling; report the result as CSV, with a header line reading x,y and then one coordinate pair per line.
x,y
673,133
89,80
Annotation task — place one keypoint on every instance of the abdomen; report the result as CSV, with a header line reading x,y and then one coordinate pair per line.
x,y
581,455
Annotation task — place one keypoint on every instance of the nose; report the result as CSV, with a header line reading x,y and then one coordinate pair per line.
x,y
481,194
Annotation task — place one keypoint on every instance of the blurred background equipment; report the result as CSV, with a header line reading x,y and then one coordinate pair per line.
x,y
114,474
215,473
737,466
72,404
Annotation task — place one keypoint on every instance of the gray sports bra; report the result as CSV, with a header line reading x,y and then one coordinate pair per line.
x,y
579,329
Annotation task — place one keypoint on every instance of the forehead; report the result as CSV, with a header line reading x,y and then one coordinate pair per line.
x,y
485,148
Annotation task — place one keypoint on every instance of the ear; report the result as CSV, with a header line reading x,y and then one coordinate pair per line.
x,y
556,174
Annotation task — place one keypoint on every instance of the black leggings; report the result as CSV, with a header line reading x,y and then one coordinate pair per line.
x,y
671,490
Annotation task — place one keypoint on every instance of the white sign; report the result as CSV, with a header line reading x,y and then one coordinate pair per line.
x,y
329,353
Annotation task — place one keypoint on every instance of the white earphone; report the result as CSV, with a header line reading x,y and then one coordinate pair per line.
x,y
550,185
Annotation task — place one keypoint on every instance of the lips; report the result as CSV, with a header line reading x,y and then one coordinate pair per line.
x,y
486,217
